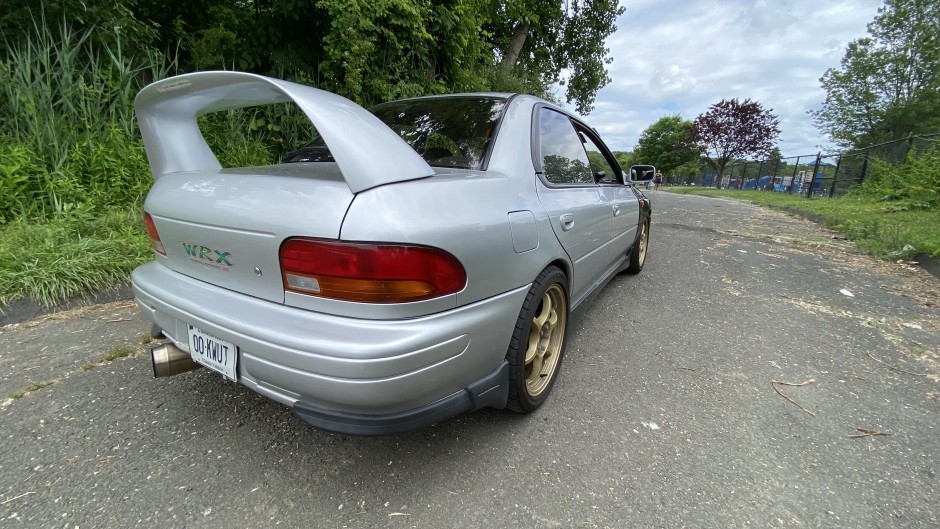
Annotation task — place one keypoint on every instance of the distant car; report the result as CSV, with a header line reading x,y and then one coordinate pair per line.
x,y
410,263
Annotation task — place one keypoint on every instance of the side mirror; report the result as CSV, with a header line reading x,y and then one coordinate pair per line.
x,y
642,173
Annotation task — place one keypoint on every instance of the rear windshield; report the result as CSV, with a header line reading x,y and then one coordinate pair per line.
x,y
445,131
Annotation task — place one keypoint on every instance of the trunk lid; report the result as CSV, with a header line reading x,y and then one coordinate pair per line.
x,y
226,227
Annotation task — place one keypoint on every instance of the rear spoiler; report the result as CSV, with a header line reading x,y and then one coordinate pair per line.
x,y
367,152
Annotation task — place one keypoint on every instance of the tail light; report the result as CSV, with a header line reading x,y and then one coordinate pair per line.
x,y
374,273
153,235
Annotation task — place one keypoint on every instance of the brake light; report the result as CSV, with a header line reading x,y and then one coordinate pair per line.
x,y
152,234
374,273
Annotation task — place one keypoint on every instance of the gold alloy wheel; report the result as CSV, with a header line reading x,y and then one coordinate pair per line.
x,y
546,338
644,242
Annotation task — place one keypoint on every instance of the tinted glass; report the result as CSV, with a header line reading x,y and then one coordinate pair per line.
x,y
445,131
563,158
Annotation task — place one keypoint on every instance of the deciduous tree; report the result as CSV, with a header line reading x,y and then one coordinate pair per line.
x,y
546,38
665,144
733,129
888,84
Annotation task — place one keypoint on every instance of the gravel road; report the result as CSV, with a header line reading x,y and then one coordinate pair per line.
x,y
665,413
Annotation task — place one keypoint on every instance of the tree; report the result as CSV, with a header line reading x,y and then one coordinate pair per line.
x,y
115,22
625,159
665,144
688,172
376,50
734,129
547,38
888,83
774,161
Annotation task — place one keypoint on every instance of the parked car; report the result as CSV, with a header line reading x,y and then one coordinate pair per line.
x,y
412,262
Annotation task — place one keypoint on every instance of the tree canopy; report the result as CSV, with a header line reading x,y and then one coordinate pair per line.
x,y
733,129
665,144
547,38
367,50
888,83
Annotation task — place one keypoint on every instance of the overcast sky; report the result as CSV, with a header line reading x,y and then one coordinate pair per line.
x,y
681,56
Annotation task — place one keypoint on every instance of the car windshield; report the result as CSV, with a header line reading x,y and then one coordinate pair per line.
x,y
445,131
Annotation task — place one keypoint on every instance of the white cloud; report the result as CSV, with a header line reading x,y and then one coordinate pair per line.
x,y
680,57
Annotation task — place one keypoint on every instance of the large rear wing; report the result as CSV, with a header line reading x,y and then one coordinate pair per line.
x,y
367,152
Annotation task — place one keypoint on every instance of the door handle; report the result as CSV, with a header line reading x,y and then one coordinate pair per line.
x,y
616,210
567,221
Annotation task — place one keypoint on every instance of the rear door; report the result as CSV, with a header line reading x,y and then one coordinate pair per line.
x,y
580,215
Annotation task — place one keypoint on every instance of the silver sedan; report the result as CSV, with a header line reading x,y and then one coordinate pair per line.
x,y
418,260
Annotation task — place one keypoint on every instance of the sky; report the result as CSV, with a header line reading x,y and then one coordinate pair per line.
x,y
682,56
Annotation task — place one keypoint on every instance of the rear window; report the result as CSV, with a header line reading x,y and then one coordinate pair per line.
x,y
445,131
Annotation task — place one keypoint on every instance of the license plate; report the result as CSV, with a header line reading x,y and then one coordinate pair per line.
x,y
213,353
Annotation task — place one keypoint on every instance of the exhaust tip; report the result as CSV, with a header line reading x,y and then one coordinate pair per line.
x,y
169,360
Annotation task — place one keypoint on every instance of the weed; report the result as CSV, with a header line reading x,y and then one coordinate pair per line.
x,y
33,386
121,351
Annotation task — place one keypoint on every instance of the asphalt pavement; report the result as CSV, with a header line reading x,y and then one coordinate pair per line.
x,y
758,373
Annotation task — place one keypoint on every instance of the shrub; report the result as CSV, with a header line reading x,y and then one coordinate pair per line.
x,y
915,183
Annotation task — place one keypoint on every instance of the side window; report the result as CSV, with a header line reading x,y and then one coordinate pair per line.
x,y
563,158
601,169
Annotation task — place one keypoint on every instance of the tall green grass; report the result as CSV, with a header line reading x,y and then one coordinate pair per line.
x,y
73,171
68,134
71,254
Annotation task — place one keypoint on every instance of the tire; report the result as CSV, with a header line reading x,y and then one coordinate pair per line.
x,y
640,249
538,341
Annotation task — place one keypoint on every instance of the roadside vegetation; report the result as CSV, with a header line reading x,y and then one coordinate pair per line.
x,y
73,172
895,214
884,94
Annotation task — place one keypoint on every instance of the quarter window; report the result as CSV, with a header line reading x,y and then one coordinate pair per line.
x,y
602,171
564,160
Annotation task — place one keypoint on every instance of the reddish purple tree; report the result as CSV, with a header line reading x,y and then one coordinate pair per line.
x,y
733,129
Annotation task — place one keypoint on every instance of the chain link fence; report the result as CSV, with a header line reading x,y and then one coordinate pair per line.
x,y
820,174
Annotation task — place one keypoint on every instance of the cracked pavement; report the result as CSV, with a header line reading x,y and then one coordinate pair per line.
x,y
664,414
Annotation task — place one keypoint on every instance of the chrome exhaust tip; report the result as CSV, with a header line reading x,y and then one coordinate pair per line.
x,y
169,360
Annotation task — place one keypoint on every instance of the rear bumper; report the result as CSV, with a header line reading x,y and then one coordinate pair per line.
x,y
365,377
490,391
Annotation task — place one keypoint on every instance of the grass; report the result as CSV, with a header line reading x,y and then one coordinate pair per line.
x,y
31,387
69,255
121,351
882,228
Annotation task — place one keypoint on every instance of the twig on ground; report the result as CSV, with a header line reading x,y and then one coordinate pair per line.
x,y
867,433
891,367
804,383
119,319
4,502
773,384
